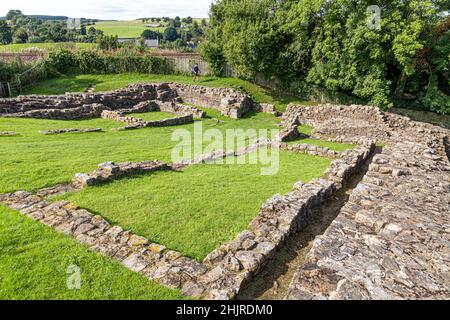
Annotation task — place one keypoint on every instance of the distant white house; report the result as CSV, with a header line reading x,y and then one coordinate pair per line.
x,y
151,43
153,25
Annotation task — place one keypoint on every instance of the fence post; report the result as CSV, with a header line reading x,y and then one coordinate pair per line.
x,y
9,89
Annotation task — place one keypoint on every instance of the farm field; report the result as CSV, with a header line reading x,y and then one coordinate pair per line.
x,y
125,29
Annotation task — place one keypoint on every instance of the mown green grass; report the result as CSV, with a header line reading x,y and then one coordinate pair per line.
x,y
197,209
79,83
17,47
32,160
189,211
34,261
152,116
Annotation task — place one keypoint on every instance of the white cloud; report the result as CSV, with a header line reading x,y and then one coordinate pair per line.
x,y
110,9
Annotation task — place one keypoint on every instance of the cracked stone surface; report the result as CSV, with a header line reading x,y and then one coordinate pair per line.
x,y
391,240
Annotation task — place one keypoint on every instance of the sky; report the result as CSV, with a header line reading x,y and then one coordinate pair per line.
x,y
110,9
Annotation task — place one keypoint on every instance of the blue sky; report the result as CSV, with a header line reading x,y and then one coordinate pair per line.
x,y
110,9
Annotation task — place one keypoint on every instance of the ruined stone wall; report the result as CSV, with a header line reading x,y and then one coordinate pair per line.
x,y
232,265
135,123
123,98
229,102
83,112
353,124
134,98
390,240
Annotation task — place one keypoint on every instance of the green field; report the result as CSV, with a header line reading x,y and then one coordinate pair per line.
x,y
125,29
47,46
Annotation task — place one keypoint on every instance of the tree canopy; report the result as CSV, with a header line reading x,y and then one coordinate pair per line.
x,y
401,56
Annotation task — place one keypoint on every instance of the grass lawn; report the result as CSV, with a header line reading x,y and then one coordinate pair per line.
x,y
32,160
195,210
79,83
152,116
17,47
34,261
125,29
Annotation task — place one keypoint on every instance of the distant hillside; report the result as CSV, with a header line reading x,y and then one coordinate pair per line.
x,y
45,17
51,18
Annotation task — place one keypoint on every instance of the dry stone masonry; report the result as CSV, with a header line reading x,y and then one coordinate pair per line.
x,y
392,239
229,102
111,171
135,98
154,261
231,266
70,130
135,123
225,270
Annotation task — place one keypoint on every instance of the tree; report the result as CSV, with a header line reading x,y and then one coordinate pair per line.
x,y
5,32
170,34
108,42
337,46
13,13
20,36
149,34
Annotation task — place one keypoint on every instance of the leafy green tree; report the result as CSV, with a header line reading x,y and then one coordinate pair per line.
x,y
108,42
5,32
170,34
338,45
149,34
20,35
13,13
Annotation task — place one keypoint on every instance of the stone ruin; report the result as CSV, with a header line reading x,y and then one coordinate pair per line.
x,y
389,241
168,97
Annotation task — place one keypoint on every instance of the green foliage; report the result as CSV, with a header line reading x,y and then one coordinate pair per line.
x,y
47,29
5,32
213,53
150,34
108,42
170,34
65,61
335,45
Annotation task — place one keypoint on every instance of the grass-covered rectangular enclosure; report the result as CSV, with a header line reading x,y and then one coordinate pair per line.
x,y
195,210
34,259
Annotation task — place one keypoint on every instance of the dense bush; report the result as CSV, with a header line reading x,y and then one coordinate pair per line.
x,y
333,45
65,61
